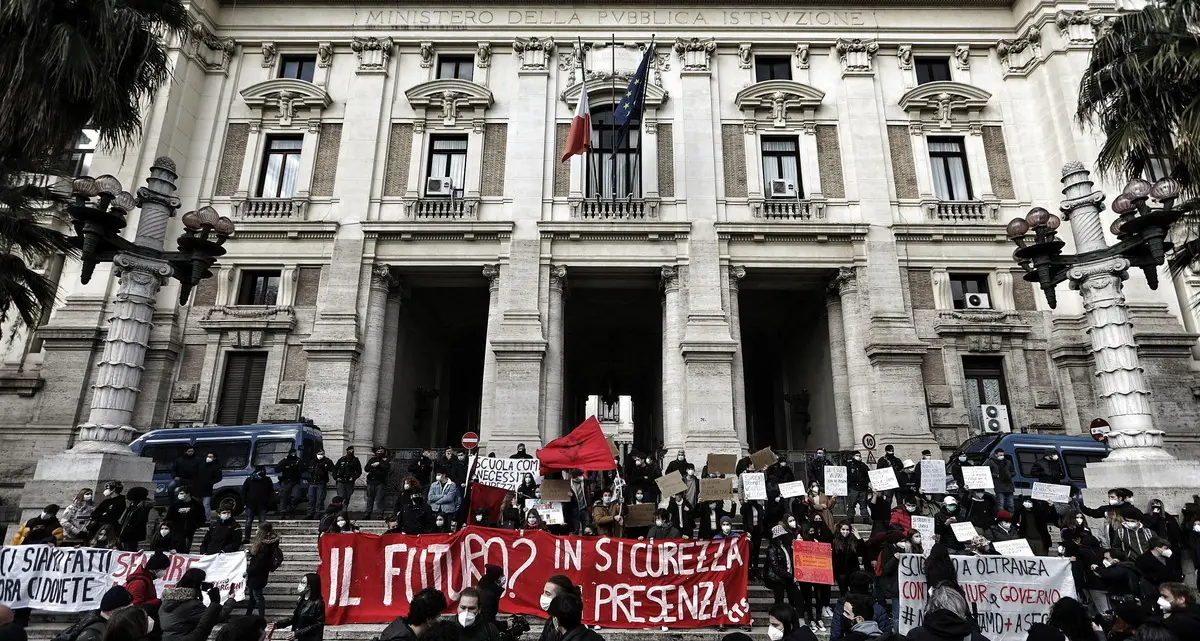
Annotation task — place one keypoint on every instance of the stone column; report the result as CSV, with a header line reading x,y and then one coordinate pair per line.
x,y
387,367
739,372
488,399
858,366
672,365
552,405
370,369
837,363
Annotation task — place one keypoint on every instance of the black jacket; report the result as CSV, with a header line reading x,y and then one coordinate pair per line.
x,y
185,518
1002,474
489,600
982,513
320,470
308,618
187,468
582,633
222,536
816,471
944,625
1047,471
415,516
857,475
108,512
290,469
258,491
207,476
258,568
377,469
890,460
399,630
184,617
347,470
802,633
1156,571
421,467
778,568
849,558
1185,623
134,521
41,531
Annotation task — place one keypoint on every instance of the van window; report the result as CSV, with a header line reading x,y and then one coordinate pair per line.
x,y
1026,457
232,455
1076,460
270,452
310,450
164,455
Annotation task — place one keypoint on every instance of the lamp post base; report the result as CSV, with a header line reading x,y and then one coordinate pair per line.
x,y
1174,483
59,477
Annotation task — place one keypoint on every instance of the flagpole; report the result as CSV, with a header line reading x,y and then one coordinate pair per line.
x,y
637,173
612,130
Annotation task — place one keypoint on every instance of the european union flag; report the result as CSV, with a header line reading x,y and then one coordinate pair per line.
x,y
630,107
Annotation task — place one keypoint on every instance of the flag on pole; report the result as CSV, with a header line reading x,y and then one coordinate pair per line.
x,y
634,99
584,448
579,139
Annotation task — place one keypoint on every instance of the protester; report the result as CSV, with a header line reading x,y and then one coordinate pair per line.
x,y
880,505
468,618
135,518
849,554
1164,525
128,624
76,516
1047,469
110,510
901,517
206,479
1155,564
779,571
521,453
308,617
857,583
185,516
10,630
1127,617
981,510
1118,505
391,525
265,556
708,517
347,470
527,490
533,521
92,625
607,515
187,469
1118,577
342,525
291,473
947,618
421,466
257,492
887,571
106,538
224,534
908,477
140,582
1133,537
1033,519
663,528
43,529
184,616
681,515
165,539
491,589
415,515
783,624
566,614
1069,620
440,524
680,464
816,469
444,498
753,522
320,469
455,467
1002,480
860,610
424,609
1181,614
858,480
378,468
1003,530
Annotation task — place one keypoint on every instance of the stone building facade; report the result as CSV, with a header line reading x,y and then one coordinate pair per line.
x,y
788,251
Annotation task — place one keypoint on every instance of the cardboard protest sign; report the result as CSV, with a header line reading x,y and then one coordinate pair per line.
x,y
813,562
1006,594
504,473
754,486
1051,492
717,490
671,484
883,479
722,464
551,513
835,481
977,477
639,514
762,459
964,532
794,488
556,490
1016,547
933,476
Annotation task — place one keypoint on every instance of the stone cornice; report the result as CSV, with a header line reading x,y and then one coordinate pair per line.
x,y
281,319
792,232
450,99
614,231
600,93
290,229
957,233
445,231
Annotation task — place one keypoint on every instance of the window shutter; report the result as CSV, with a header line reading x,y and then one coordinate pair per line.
x,y
241,388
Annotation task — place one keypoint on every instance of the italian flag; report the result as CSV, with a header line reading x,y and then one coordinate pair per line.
x,y
580,136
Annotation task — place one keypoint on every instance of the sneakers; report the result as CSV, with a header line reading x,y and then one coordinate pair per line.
x,y
826,613
820,625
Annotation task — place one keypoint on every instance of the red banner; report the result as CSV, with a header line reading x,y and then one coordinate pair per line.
x,y
626,583
814,562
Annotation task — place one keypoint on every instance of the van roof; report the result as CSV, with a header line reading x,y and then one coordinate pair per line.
x,y
988,442
227,431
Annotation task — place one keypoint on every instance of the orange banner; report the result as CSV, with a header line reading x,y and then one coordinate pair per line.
x,y
813,562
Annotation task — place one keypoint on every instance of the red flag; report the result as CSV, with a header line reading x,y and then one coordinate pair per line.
x,y
487,498
580,136
584,448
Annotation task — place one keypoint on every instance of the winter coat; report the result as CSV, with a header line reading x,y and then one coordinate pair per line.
x,y
478,631
222,536
1002,474
453,468
581,633
290,469
415,515
187,468
681,514
308,618
753,516
902,518
708,516
108,512
398,630
347,470
134,521
1135,542
257,491
1047,471
421,467
667,531
802,633
816,472
848,558
881,507
1033,523
332,512
1185,623
840,625
94,629
604,517
1157,570
778,568
184,617
378,469
75,519
858,475
140,584
1121,579
890,460
982,513
185,517
320,470
944,625
444,498
489,600
208,476
39,531
997,533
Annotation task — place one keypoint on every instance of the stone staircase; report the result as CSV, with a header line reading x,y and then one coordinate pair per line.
x,y
299,545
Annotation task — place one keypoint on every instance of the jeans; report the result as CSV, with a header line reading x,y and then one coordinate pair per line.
x,y
375,497
206,501
256,598
857,498
258,512
345,490
289,496
316,499
1004,501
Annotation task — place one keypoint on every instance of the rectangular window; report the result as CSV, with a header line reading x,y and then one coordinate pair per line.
x,y
1157,169
77,161
232,455
164,455
259,287
241,388
962,286
948,158
460,67
932,69
448,159
1076,461
281,166
298,67
781,161
270,452
772,68
615,159
984,381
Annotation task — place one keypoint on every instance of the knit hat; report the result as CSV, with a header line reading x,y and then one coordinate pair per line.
x,y
159,561
116,598
726,519
1003,515
778,531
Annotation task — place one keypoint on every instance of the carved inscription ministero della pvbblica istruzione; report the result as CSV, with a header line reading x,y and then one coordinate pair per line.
x,y
484,17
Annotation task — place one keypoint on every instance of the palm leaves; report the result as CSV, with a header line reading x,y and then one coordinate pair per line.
x,y
67,65
1142,91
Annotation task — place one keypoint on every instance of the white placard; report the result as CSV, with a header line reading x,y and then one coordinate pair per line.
x,y
964,532
933,476
883,479
835,480
926,526
754,486
977,477
504,473
551,513
1016,547
795,488
1051,492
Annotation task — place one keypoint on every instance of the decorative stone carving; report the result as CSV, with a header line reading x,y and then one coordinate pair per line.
x,y
1075,27
662,62
289,96
492,274
802,54
962,57
1019,55
736,273
904,57
373,53
558,276
1101,25
185,392
534,53
780,97
451,99
483,55
324,54
856,55
382,277
845,281
669,277
695,53
571,60
209,51
943,298
427,54
745,55
269,54
945,101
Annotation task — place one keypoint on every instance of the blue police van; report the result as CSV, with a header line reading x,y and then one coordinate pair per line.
x,y
239,449
1074,452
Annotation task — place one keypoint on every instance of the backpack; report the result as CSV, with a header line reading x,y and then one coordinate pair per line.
x,y
71,633
276,558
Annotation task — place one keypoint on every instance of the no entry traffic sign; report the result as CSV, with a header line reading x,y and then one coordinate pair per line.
x,y
470,440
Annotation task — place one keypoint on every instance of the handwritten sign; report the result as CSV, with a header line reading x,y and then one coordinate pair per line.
x,y
977,477
884,479
1051,492
505,473
721,464
762,459
794,488
964,532
933,476
926,526
1016,547
639,514
1006,594
835,480
671,484
717,490
754,486
814,562
551,512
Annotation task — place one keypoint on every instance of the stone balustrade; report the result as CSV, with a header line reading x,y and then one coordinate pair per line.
x,y
271,209
619,209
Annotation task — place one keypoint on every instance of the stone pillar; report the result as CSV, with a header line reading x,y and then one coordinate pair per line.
x,y
739,370
672,365
370,370
387,367
552,405
837,363
858,366
488,398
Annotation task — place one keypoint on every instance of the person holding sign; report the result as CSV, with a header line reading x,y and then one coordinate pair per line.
x,y
858,483
753,522
1003,530
1033,519
779,572
947,516
663,528
681,514
902,516
981,509
606,514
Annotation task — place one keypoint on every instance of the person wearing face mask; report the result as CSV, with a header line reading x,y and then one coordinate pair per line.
x,y
378,468
424,611
135,518
76,516
335,509
479,518
455,467
342,525
1032,521
1119,578
778,570
1156,564
680,464
1163,523
491,589
105,538
1048,469
308,616
1118,503
908,477
566,614
43,529
521,453
1181,614
414,514
1133,537
471,628
725,531
1002,480
859,609
440,524
257,492
224,534
164,539
820,593
981,509
691,495
960,461
185,516
708,517
512,511
346,472
443,497
663,527
887,581
858,480
881,511
948,513
140,582
111,508
1083,548
947,617
820,504
902,516
533,521
320,470
754,521
1192,537
183,614
785,624
634,532
265,556
608,515
187,468
528,488
1003,530
816,469
421,466
556,585
206,479
849,554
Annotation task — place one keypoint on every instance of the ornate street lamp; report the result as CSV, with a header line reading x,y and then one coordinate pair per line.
x,y
1096,272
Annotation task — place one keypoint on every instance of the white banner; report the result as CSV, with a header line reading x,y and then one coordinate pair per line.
x,y
1007,594
964,532
504,473
754,486
551,513
795,488
883,479
1052,493
977,477
926,526
1016,547
55,579
835,481
933,476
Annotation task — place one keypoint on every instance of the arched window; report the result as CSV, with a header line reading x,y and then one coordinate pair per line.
x,y
626,173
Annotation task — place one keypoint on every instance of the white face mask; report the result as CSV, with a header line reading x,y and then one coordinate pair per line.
x,y
408,486
302,587
466,619
1132,525
164,532
1079,520
1027,505
1166,554
440,523
87,497
1108,562
1004,524
478,518
341,523
107,492
774,633
320,456
1061,550
791,523
726,529
1112,501
845,532
544,602
659,522
1164,604
1196,527
149,625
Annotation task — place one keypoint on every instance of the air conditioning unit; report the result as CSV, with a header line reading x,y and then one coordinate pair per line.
x,y
439,186
995,419
978,301
780,188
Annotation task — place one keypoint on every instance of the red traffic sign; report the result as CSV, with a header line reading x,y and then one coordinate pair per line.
x,y
1099,430
470,440
868,441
